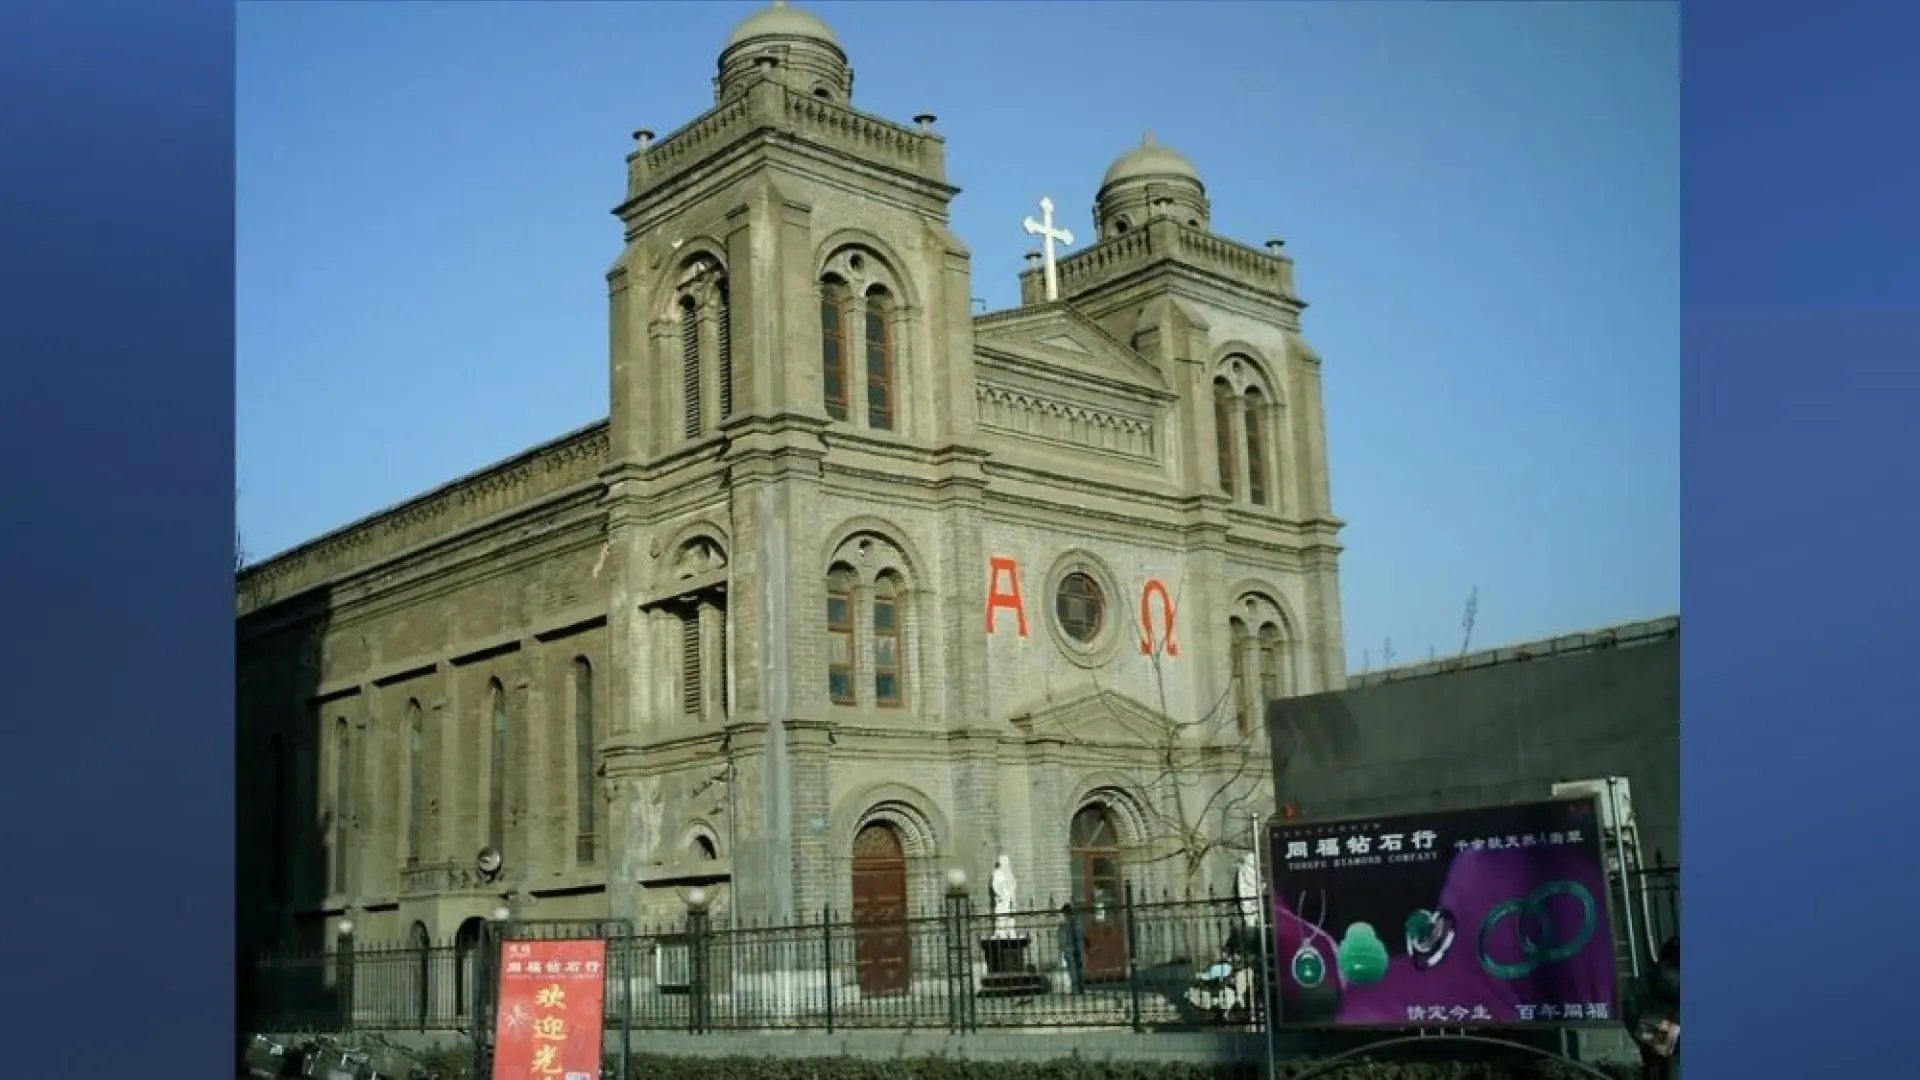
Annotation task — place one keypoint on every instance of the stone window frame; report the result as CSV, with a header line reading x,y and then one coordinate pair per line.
x,y
1252,392
499,749
1113,621
863,273
1257,623
414,829
695,343
583,727
340,799
871,556
691,620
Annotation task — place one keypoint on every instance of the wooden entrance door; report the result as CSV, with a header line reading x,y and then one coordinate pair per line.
x,y
1099,893
882,946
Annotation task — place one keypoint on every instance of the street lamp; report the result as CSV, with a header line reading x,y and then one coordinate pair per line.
x,y
344,947
957,880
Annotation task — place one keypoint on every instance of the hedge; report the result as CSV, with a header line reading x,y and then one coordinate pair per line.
x,y
1461,1063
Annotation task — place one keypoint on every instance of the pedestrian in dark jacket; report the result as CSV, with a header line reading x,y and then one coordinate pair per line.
x,y
1652,1014
1073,947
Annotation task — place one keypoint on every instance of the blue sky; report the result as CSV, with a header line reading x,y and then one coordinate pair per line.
x,y
1483,201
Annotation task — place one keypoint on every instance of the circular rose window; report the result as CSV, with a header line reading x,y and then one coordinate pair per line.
x,y
1079,607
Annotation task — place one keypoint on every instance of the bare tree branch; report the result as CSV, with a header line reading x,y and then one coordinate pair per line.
x,y
1190,797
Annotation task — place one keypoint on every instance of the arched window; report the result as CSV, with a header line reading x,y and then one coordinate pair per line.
x,y
342,803
888,691
281,795
690,405
879,360
422,973
723,348
1256,419
1241,644
1272,656
1223,408
497,770
583,793
840,648
416,783
833,347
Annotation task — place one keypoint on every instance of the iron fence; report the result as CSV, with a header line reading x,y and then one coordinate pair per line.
x,y
1149,964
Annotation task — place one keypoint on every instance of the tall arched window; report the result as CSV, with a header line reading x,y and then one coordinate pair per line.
x,y
497,770
723,348
879,360
1272,656
1241,643
1256,420
833,347
1223,408
693,686
281,796
416,783
342,803
584,805
840,653
888,691
690,367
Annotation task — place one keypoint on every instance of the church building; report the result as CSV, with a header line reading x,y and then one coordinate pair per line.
x,y
852,588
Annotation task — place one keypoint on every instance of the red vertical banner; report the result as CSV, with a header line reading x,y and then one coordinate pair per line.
x,y
551,1018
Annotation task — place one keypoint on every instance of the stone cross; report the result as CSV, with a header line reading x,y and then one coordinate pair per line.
x,y
1049,235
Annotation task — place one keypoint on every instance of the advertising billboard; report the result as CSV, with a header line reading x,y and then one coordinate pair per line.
x,y
1490,917
550,1022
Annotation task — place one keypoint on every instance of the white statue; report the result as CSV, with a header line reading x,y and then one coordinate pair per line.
x,y
1246,887
1002,886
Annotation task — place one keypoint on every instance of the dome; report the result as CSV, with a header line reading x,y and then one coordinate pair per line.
x,y
1150,159
781,20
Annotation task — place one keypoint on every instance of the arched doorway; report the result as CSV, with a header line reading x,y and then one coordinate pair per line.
x,y
466,970
882,945
1099,891
422,946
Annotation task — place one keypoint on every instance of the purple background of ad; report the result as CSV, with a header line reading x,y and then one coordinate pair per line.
x,y
1475,882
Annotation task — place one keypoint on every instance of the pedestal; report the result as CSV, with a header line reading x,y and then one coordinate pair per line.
x,y
1008,972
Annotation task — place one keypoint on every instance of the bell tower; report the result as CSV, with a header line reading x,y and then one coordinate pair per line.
x,y
783,207
1223,319
789,295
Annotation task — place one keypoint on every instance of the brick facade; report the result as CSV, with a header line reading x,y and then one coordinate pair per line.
x,y
1068,437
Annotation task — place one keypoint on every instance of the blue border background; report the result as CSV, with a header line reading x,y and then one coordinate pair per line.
x,y
1799,286
116,288
116,409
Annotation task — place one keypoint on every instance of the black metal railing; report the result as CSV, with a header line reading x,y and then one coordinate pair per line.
x,y
1147,964
1142,965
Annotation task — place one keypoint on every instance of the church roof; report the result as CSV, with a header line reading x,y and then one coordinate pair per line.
x,y
781,20
1150,159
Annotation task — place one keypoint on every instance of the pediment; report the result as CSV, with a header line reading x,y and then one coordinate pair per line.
x,y
1059,337
1090,716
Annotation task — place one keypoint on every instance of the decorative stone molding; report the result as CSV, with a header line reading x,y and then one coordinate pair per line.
x,y
1024,413
439,514
1264,271
766,104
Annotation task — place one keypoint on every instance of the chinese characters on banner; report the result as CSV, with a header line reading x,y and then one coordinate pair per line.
x,y
1492,917
550,1018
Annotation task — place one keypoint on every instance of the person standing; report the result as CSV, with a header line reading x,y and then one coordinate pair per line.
x,y
1073,947
1653,1015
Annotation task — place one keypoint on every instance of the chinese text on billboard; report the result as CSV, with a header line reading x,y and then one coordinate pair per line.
x,y
1495,916
550,1019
